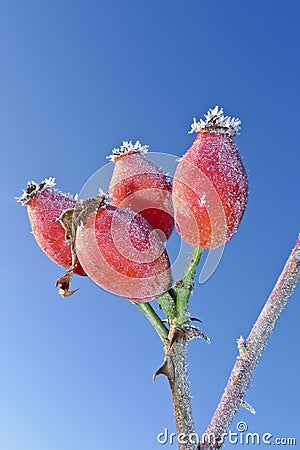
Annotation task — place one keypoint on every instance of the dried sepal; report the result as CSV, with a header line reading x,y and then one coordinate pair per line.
x,y
70,219
64,284
66,220
33,188
86,207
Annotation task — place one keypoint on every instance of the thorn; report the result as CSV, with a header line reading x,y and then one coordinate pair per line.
x,y
160,371
248,407
173,293
194,319
175,334
166,369
193,332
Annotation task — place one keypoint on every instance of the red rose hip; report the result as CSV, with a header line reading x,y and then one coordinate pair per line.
x,y
138,184
44,207
120,251
210,187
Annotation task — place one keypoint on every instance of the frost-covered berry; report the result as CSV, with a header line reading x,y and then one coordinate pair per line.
x,y
44,206
138,184
210,187
120,251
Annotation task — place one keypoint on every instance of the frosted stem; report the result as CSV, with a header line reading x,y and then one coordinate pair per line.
x,y
251,350
186,285
175,362
179,383
182,399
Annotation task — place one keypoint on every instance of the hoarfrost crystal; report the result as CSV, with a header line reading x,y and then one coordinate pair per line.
x,y
33,188
216,122
127,147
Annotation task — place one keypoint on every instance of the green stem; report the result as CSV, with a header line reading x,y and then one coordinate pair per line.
x,y
185,286
154,319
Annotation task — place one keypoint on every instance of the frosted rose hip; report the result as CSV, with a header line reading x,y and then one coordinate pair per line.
x,y
210,187
120,251
44,207
138,184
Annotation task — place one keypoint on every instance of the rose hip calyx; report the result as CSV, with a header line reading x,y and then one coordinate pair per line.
x,y
33,189
126,148
215,121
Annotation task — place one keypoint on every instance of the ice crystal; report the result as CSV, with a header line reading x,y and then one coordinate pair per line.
x,y
182,396
126,148
202,200
297,256
192,332
242,346
215,121
34,188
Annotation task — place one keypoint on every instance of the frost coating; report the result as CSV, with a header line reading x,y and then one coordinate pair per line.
x,y
121,252
239,380
126,148
210,191
215,121
34,188
138,184
182,398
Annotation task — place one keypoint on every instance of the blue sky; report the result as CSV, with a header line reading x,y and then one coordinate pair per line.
x,y
76,79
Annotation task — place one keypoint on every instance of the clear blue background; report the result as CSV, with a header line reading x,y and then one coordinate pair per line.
x,y
76,79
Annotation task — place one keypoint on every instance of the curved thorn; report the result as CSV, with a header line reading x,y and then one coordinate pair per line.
x,y
195,319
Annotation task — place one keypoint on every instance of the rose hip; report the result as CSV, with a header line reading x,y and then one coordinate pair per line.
x,y
44,207
138,184
210,187
120,251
